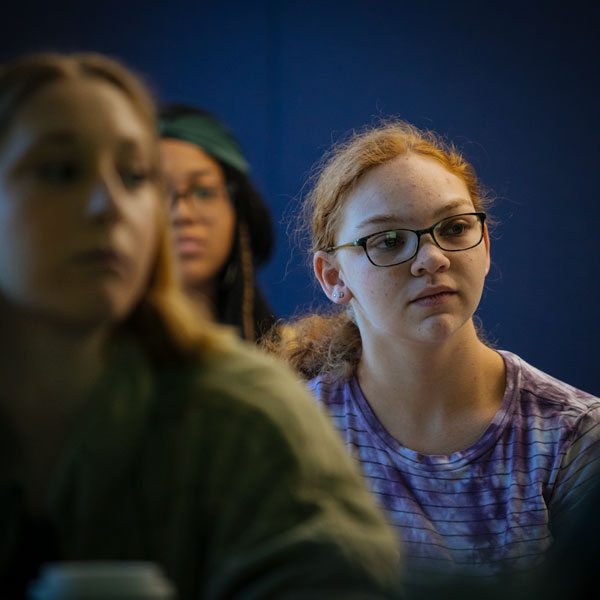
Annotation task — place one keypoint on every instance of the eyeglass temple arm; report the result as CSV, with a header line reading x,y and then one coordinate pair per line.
x,y
359,242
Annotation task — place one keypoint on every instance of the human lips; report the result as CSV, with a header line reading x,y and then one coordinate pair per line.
x,y
189,245
433,296
102,257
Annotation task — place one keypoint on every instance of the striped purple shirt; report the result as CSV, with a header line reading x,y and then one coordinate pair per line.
x,y
489,507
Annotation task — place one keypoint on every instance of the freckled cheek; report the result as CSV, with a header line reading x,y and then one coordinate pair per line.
x,y
474,263
378,286
473,274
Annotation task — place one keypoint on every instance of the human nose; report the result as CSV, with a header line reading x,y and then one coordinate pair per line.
x,y
105,198
429,258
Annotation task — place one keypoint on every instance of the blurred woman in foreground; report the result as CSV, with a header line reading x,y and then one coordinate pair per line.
x,y
131,428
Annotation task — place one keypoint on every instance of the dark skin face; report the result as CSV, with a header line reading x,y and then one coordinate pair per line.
x,y
202,216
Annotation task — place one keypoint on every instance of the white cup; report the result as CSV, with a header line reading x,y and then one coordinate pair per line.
x,y
101,580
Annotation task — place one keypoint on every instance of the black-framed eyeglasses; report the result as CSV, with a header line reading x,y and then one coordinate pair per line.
x,y
396,246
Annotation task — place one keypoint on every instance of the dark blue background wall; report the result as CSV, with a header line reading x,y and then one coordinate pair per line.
x,y
513,83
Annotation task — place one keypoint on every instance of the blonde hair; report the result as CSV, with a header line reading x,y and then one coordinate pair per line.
x,y
331,343
164,320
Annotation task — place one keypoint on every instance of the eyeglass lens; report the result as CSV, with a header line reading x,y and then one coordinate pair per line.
x,y
199,195
459,232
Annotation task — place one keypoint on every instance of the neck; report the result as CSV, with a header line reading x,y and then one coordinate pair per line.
x,y
47,368
204,295
434,398
47,371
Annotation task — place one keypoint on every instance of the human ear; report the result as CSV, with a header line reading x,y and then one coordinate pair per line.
x,y
330,277
486,241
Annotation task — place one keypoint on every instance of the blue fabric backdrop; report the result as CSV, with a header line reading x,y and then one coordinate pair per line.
x,y
513,83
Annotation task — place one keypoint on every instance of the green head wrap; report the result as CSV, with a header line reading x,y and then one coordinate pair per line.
x,y
207,133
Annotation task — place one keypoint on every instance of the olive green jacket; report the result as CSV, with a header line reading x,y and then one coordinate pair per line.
x,y
226,474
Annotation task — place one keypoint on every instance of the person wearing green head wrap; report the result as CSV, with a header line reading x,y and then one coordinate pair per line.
x,y
222,228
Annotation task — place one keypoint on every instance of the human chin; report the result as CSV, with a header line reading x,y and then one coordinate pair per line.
x,y
438,328
197,271
88,309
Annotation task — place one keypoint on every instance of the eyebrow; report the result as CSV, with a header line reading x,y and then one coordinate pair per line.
x,y
450,206
198,173
384,219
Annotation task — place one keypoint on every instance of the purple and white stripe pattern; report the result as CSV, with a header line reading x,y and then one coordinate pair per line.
x,y
492,506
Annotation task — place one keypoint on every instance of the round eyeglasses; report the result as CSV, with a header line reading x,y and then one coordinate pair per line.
x,y
396,246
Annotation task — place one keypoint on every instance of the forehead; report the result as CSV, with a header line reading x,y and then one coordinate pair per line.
x,y
182,160
407,191
85,107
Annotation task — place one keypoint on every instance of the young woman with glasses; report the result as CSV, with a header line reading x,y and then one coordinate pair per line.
x,y
476,456
131,428
221,226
